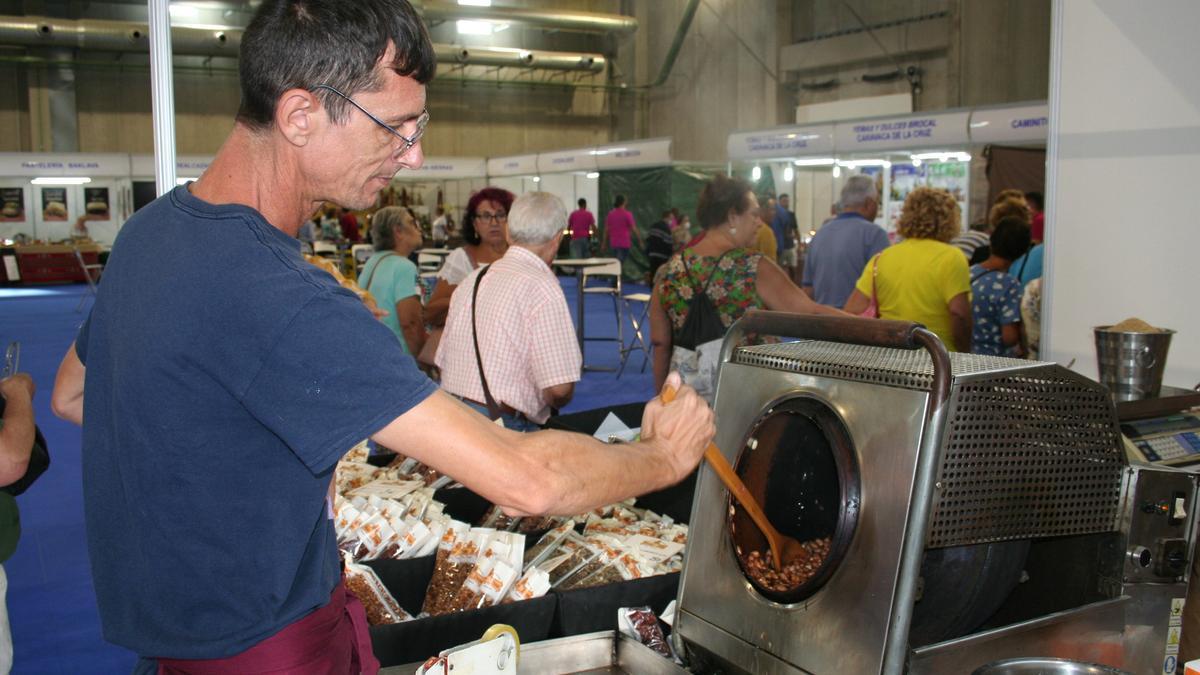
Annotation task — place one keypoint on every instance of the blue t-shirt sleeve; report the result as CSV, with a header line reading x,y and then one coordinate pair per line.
x,y
321,398
81,339
806,277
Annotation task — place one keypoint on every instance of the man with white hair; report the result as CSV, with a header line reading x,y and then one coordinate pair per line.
x,y
841,248
509,335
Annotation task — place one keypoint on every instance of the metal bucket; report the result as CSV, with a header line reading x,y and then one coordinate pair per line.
x,y
1131,364
1045,666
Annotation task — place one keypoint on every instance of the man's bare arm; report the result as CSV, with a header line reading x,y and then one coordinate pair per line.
x,y
67,399
553,472
17,432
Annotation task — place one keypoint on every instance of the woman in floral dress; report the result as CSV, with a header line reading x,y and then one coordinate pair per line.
x,y
735,277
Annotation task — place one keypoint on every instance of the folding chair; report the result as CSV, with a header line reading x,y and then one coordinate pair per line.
x,y
638,320
610,273
91,274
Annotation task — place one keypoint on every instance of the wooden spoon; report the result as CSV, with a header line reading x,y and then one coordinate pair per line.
x,y
782,547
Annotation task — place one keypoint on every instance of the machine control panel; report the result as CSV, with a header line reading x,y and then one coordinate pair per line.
x,y
1171,440
1160,520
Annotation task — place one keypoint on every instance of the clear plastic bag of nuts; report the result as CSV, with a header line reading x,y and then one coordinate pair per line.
x,y
454,535
380,606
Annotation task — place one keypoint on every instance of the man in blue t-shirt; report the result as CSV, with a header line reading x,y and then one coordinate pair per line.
x,y
840,250
215,408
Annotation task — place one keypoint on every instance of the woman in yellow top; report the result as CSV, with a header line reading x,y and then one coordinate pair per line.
x,y
922,278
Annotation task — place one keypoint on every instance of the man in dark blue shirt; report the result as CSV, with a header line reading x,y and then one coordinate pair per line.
x,y
215,412
840,250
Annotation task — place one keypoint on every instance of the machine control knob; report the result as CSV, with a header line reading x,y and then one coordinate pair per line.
x,y
1172,558
1141,556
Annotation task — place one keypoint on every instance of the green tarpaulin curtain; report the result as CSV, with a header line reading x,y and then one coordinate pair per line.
x,y
651,191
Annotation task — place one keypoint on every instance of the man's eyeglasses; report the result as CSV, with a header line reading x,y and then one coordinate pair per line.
x,y
484,216
409,141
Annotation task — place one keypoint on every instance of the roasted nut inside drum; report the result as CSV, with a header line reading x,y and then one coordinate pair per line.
x,y
795,573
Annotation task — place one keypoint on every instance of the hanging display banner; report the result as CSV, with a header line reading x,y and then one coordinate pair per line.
x,y
656,152
445,168
31,165
1023,124
782,143
95,203
567,160
186,166
12,204
54,203
520,165
902,133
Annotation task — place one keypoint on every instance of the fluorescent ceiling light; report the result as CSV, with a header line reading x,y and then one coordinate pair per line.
x,y
756,173
501,26
837,171
183,11
788,174
476,3
62,180
593,174
855,163
537,179
943,156
474,27
817,161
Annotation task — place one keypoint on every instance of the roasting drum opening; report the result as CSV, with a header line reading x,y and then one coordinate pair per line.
x,y
798,462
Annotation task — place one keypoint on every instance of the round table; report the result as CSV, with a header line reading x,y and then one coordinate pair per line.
x,y
579,265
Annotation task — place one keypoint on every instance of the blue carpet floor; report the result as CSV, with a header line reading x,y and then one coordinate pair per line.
x,y
51,604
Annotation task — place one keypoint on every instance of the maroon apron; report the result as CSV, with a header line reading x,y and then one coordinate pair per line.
x,y
332,639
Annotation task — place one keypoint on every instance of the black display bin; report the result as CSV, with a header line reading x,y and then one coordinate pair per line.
x,y
558,614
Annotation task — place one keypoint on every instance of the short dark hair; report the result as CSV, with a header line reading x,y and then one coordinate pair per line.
x,y
1011,238
619,201
721,195
1035,200
488,194
299,44
582,203
784,195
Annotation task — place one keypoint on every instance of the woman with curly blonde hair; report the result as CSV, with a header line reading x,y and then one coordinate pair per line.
x,y
922,278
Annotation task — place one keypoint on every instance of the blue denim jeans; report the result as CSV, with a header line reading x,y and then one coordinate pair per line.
x,y
580,248
620,253
512,422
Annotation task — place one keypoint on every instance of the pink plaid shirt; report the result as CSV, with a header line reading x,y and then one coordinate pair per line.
x,y
526,336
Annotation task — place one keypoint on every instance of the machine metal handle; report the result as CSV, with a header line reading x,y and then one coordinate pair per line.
x,y
844,329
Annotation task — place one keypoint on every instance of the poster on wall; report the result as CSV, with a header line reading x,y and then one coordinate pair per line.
x,y
54,204
949,176
95,203
13,204
905,179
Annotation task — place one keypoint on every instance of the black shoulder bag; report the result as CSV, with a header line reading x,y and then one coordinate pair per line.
x,y
492,406
703,322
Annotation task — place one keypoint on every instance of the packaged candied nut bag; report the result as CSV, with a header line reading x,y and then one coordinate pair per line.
x,y
582,556
381,607
448,579
534,584
641,624
455,531
548,544
497,583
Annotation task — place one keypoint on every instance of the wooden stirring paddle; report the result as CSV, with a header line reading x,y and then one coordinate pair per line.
x,y
782,547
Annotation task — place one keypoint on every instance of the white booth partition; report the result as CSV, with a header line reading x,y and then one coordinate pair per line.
x,y
909,152
801,161
445,181
570,175
517,174
43,194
